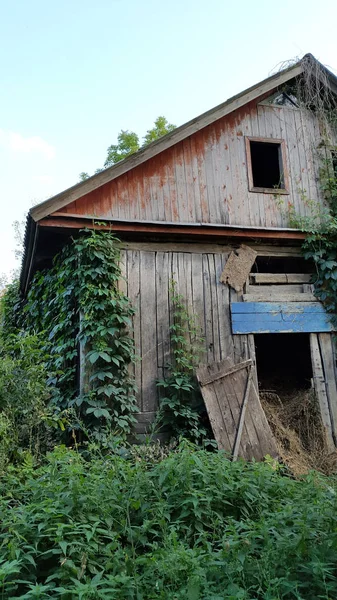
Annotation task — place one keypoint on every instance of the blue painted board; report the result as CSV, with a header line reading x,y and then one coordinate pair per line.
x,y
274,307
280,317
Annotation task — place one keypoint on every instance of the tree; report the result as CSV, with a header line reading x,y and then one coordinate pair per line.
x,y
83,176
128,143
161,127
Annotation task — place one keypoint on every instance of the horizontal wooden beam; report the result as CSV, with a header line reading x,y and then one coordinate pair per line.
x,y
196,230
282,297
222,374
279,317
280,277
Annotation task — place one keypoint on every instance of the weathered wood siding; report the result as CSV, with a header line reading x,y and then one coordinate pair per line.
x,y
204,178
148,274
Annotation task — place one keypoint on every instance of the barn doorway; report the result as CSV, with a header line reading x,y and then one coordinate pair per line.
x,y
285,376
283,361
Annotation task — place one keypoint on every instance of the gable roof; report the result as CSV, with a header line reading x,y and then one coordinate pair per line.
x,y
56,203
75,192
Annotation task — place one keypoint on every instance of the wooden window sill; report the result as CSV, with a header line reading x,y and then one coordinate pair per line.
x,y
273,191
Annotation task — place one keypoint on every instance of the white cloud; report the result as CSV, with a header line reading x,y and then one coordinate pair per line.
x,y
19,143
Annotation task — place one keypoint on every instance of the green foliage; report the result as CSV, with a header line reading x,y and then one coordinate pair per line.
x,y
127,144
194,526
320,244
161,127
24,416
84,175
77,303
180,403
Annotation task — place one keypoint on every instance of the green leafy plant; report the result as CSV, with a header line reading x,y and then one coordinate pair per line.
x,y
181,402
78,308
193,526
25,419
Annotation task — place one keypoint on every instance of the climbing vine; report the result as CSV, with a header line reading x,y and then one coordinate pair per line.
x,y
181,402
313,92
84,317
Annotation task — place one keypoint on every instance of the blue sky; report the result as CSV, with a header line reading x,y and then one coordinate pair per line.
x,y
74,73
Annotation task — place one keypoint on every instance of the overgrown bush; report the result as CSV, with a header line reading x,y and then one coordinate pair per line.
x,y
78,303
24,417
193,526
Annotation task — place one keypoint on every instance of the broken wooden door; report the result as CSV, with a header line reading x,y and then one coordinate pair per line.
x,y
237,418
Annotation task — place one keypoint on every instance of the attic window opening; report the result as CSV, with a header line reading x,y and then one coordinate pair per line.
x,y
266,166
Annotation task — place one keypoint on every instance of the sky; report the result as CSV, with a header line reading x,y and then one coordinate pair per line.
x,y
73,73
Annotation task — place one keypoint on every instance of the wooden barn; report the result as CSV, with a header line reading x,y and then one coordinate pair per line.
x,y
206,205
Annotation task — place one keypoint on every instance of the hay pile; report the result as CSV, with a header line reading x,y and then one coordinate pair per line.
x,y
295,420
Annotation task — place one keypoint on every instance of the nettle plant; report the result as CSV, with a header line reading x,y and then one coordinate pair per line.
x,y
84,317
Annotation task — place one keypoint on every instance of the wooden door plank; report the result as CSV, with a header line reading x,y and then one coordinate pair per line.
x,y
320,388
224,373
329,368
242,416
224,397
220,420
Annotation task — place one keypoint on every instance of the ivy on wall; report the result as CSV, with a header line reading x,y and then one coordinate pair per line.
x,y
181,405
314,94
77,304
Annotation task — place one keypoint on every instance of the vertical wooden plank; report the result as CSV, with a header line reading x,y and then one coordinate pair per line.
x,y
215,307
320,388
180,183
218,412
224,322
148,330
162,307
122,283
189,181
210,150
134,297
195,176
198,292
200,155
329,368
208,312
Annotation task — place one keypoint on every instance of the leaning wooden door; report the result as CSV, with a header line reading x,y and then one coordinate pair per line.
x,y
237,418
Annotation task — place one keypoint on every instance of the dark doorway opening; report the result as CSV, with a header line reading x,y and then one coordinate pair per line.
x,y
283,361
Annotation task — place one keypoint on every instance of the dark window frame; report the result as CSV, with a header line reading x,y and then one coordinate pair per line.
x,y
283,166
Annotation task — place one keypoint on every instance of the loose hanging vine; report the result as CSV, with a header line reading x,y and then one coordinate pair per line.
x,y
78,303
314,94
